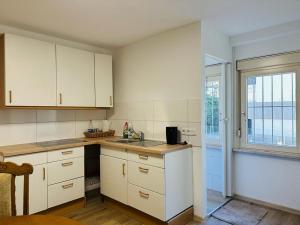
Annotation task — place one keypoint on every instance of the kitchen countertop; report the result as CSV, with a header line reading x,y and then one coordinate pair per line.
x,y
22,149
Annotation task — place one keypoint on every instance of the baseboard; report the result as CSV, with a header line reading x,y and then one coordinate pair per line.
x,y
63,209
182,218
266,204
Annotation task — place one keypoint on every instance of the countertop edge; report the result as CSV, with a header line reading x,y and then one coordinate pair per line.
x,y
5,152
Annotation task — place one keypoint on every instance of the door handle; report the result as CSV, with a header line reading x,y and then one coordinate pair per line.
x,y
10,96
144,195
67,164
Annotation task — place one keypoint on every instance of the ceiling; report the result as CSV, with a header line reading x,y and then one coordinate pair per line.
x,y
115,23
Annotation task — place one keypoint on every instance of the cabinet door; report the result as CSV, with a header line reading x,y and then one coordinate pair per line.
x,y
113,178
30,72
37,190
103,80
75,77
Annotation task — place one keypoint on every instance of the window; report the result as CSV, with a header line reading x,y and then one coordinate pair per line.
x,y
269,108
212,108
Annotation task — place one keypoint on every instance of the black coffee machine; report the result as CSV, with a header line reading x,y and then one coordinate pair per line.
x,y
172,135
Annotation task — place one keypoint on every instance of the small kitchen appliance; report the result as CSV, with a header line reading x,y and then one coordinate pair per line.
x,y
172,135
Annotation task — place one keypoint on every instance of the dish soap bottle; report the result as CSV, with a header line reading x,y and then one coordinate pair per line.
x,y
125,130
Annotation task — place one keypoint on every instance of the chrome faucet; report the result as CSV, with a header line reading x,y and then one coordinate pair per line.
x,y
142,136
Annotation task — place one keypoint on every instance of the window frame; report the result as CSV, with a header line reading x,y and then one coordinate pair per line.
x,y
243,107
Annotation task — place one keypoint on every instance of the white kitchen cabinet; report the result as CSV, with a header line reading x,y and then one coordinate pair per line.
x,y
30,72
159,185
75,77
113,176
38,182
103,80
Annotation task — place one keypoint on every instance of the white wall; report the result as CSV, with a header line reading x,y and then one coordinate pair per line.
x,y
268,179
158,83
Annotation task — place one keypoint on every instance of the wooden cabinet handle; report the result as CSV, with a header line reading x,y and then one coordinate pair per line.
x,y
144,157
44,173
123,169
144,195
66,186
10,96
143,170
67,152
67,164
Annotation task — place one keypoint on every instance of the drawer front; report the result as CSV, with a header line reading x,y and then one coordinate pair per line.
x,y
65,170
149,177
65,154
33,159
65,192
147,201
148,159
114,152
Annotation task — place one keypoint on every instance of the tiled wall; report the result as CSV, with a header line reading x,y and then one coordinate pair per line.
x,y
152,117
19,126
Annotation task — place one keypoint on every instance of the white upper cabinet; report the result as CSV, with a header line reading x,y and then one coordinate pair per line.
x,y
75,77
103,80
30,72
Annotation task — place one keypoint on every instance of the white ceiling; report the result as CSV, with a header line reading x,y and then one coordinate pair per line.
x,y
115,23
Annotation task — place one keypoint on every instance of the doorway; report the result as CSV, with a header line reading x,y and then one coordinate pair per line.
x,y
215,134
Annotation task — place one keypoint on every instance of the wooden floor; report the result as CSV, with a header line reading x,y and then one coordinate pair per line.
x,y
99,213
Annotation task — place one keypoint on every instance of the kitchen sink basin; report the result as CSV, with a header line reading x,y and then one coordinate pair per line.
x,y
125,141
135,142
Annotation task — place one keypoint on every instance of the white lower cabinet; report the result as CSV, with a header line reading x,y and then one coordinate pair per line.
x,y
51,183
147,201
38,182
161,186
65,192
113,176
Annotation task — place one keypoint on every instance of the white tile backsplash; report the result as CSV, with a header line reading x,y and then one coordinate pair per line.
x,y
55,130
195,140
11,134
19,126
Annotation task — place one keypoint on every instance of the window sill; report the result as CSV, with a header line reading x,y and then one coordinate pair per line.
x,y
275,153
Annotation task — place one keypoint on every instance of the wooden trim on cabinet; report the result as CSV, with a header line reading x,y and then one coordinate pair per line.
x,y
65,208
2,70
183,218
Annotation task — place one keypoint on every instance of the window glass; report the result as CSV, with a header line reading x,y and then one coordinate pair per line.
x,y
271,109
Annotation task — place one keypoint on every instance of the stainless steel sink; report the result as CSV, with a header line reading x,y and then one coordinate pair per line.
x,y
135,142
125,141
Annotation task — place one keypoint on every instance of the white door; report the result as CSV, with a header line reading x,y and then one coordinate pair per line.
x,y
75,77
38,188
30,72
103,80
113,176
216,136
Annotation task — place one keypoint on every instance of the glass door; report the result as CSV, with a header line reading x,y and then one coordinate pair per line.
x,y
215,136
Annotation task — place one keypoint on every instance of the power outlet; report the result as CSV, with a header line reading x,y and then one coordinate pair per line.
x,y
188,132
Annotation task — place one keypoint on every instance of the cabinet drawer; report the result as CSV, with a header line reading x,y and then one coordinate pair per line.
x,y
65,192
149,159
65,170
65,154
114,152
149,177
33,159
147,201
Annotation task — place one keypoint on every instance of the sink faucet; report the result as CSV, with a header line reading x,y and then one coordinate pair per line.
x,y
142,136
